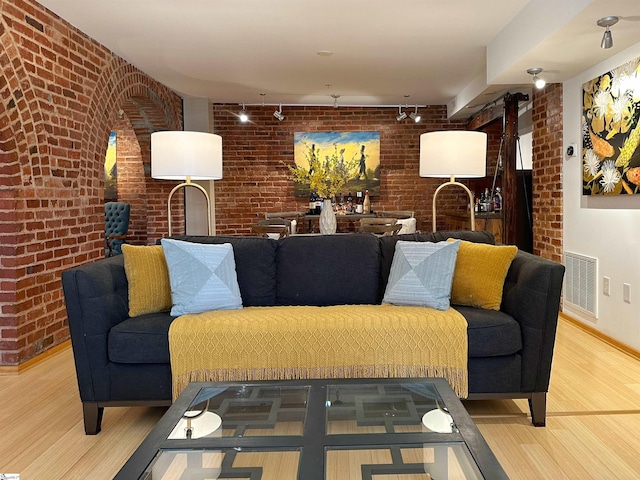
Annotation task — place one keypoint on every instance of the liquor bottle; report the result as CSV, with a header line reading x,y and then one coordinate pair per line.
x,y
359,206
497,201
366,205
312,203
349,203
488,203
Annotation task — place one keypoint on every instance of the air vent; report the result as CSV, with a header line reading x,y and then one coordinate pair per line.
x,y
580,282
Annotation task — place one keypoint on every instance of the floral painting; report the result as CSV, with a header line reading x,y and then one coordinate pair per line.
x,y
611,132
350,161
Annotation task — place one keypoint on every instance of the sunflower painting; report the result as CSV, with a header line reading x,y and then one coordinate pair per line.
x,y
611,132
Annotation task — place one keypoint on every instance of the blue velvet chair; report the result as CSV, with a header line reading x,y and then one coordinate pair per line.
x,y
116,226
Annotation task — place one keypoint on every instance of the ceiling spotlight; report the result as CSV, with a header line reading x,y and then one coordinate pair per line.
x,y
335,97
537,81
607,39
244,117
401,115
278,113
415,116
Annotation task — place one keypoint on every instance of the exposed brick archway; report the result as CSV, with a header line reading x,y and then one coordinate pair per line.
x,y
60,93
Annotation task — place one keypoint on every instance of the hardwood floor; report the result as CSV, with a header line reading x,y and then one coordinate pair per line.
x,y
592,424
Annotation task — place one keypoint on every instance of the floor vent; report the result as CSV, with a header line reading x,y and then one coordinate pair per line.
x,y
580,282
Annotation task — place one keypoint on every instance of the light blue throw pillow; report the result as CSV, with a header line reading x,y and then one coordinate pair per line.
x,y
202,277
422,274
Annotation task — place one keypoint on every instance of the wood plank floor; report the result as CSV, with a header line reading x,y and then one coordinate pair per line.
x,y
592,425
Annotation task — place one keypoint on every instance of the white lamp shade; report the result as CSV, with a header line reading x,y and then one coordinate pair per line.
x,y
460,153
176,155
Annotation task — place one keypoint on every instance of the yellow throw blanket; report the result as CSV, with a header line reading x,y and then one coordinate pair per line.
x,y
278,343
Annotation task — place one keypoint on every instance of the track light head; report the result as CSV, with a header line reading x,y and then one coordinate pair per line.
x,y
278,113
415,116
244,117
401,115
607,38
537,81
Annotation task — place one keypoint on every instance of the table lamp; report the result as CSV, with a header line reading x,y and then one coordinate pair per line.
x,y
453,153
180,155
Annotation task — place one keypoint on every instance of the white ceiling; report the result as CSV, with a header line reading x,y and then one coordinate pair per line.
x,y
454,52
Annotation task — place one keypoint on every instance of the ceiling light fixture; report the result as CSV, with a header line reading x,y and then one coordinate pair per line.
x,y
244,117
607,39
278,113
537,81
415,116
335,97
401,115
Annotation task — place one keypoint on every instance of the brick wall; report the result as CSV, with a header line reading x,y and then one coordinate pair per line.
x,y
131,180
547,172
255,156
60,93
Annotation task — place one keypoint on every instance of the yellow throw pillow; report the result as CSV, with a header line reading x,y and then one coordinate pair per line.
x,y
481,269
148,278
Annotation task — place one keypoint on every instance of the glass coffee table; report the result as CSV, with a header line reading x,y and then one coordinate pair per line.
x,y
332,429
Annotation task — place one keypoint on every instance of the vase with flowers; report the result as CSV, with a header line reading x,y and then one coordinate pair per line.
x,y
326,177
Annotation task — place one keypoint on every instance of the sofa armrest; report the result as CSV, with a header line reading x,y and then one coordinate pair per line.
x,y
531,296
96,299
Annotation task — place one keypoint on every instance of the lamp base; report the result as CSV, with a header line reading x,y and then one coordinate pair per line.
x,y
452,181
186,184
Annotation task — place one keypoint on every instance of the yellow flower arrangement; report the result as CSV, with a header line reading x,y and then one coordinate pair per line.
x,y
325,177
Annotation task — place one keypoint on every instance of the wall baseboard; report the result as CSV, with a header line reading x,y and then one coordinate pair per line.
x,y
18,369
601,336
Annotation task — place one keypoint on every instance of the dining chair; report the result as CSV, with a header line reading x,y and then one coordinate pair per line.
x,y
405,218
380,226
293,217
271,231
399,214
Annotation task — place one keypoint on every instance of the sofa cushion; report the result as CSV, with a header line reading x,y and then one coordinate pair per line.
x,y
203,277
148,279
255,266
325,270
142,339
478,279
421,274
388,246
491,333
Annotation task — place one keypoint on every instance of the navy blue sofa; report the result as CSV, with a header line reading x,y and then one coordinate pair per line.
x,y
122,361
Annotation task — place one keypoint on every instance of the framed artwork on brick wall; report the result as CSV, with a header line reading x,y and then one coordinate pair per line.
x,y
359,150
611,132
110,171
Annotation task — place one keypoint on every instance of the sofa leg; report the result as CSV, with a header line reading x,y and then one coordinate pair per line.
x,y
538,407
92,417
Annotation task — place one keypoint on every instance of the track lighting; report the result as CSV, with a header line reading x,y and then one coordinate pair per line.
x,y
244,117
335,97
415,116
278,113
607,39
537,81
401,115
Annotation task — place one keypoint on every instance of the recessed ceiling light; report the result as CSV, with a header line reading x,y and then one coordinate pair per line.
x,y
325,53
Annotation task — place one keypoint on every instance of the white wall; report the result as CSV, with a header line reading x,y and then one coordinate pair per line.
x,y
198,117
604,227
